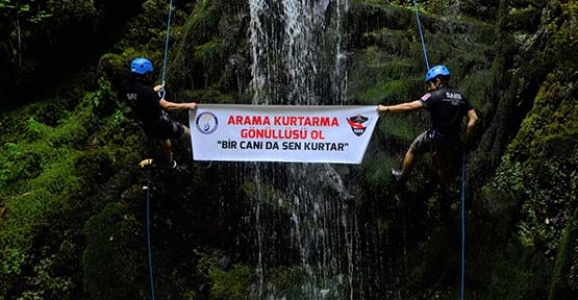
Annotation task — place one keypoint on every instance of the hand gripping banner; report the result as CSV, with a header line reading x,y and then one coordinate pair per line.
x,y
281,133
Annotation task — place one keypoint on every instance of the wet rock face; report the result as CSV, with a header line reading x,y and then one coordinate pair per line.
x,y
212,224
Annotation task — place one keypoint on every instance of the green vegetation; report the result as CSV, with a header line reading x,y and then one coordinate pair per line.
x,y
73,222
40,184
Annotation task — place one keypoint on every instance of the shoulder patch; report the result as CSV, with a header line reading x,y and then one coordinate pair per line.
x,y
425,97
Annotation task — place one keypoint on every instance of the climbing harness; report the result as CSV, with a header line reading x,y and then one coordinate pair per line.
x,y
463,210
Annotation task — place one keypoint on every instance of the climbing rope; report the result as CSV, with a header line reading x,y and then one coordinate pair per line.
x,y
421,35
148,173
166,50
463,278
463,208
148,162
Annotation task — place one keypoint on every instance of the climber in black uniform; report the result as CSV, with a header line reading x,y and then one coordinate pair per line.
x,y
447,107
151,109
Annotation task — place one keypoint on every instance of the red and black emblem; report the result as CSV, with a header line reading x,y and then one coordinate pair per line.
x,y
357,124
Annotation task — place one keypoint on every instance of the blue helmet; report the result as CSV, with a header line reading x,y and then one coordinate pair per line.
x,y
141,66
436,71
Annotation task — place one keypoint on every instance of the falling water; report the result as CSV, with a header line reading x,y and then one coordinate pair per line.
x,y
301,216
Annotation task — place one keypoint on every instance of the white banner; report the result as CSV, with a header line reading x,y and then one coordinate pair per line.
x,y
281,133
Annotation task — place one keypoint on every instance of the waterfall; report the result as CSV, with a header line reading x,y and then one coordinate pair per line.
x,y
302,221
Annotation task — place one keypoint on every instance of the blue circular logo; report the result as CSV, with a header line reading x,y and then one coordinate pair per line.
x,y
207,122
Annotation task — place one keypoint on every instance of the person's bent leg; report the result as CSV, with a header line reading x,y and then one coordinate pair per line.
x,y
442,162
407,165
420,145
167,149
186,136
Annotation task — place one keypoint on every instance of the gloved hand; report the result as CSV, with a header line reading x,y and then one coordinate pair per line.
x,y
158,87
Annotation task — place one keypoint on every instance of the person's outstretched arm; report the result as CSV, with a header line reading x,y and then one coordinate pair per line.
x,y
407,106
173,106
472,120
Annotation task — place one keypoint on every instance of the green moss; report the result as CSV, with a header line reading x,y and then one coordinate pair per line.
x,y
41,197
398,90
202,22
553,118
207,96
391,41
367,16
39,179
262,194
399,127
26,217
203,56
378,76
111,239
523,19
377,169
211,56
475,86
560,287
232,284
227,282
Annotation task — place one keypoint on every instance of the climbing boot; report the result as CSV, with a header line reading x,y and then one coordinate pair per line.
x,y
396,176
